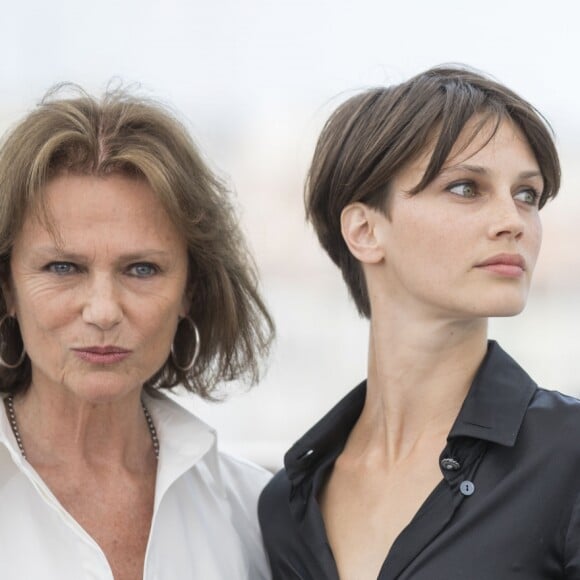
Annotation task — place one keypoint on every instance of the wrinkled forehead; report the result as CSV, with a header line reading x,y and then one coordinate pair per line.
x,y
69,200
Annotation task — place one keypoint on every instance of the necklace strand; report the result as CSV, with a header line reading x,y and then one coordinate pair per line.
x,y
14,426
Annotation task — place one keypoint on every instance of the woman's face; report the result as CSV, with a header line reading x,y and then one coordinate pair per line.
x,y
466,245
98,300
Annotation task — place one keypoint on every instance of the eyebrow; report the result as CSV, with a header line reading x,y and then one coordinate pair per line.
x,y
483,171
61,254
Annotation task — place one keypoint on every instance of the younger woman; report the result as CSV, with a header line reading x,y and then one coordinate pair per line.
x,y
447,462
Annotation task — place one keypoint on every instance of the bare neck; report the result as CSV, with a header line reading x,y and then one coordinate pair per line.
x,y
419,373
58,428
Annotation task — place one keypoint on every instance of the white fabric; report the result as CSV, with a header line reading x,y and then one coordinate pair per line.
x,y
204,522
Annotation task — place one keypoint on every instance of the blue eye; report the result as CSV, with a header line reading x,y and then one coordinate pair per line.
x,y
143,270
61,268
529,196
463,189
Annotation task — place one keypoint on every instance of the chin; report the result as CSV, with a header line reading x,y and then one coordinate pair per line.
x,y
506,308
104,389
506,312
490,308
501,301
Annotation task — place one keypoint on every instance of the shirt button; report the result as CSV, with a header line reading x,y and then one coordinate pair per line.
x,y
450,464
466,487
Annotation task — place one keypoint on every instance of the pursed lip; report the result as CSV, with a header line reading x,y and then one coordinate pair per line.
x,y
504,260
102,349
102,355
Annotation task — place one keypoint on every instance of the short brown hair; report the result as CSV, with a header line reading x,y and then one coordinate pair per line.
x,y
122,133
373,135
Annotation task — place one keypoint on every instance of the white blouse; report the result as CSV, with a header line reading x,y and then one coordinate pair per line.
x,y
204,524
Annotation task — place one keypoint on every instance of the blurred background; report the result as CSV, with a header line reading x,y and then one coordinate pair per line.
x,y
255,80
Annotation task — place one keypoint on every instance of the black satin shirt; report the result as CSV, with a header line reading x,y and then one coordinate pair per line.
x,y
508,505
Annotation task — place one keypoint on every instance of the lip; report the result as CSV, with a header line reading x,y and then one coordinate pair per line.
x,y
102,354
508,265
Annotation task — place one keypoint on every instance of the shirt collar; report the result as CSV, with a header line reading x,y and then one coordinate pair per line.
x,y
181,433
497,401
184,441
493,410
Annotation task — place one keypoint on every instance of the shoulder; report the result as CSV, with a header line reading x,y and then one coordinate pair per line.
x,y
242,477
555,400
278,488
232,483
553,421
552,407
274,508
552,429
243,482
189,445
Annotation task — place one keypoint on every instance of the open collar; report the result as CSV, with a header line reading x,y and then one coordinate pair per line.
x,y
493,411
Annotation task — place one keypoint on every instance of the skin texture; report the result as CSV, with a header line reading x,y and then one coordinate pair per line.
x,y
430,298
430,244
98,285
113,275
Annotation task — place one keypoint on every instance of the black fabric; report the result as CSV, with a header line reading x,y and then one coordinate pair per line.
x,y
518,445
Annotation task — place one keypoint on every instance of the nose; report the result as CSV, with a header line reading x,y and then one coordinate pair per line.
x,y
102,307
506,220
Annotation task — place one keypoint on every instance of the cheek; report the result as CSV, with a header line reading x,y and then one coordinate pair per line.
x,y
40,329
159,328
40,308
155,318
539,233
44,334
433,247
534,241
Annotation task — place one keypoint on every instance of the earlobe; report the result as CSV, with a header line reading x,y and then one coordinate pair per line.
x,y
361,232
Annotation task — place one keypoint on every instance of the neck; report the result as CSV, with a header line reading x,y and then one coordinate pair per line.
x,y
418,376
65,430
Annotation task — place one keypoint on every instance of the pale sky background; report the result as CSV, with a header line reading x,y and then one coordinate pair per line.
x,y
254,81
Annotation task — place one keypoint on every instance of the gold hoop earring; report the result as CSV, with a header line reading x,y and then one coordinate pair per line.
x,y
188,366
22,354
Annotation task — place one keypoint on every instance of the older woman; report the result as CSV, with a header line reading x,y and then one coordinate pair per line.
x,y
448,462
123,274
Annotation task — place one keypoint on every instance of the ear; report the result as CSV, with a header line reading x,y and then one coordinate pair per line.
x,y
361,230
185,305
8,296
